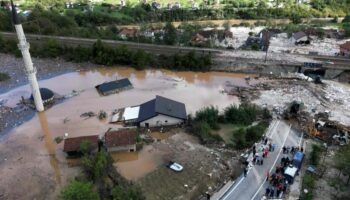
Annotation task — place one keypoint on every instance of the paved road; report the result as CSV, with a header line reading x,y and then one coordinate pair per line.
x,y
253,186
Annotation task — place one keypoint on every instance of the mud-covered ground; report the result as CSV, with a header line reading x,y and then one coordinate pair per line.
x,y
205,169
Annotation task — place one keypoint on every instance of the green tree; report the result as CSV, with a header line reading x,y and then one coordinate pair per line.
x,y
78,191
140,59
96,166
129,192
238,138
170,34
342,161
346,27
209,115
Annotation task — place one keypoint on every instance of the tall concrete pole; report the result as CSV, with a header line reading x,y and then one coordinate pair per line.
x,y
30,70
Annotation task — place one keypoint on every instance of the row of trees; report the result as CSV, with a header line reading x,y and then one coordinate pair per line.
x,y
102,54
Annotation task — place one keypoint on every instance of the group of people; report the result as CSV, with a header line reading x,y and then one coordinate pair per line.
x,y
277,183
260,151
263,151
292,150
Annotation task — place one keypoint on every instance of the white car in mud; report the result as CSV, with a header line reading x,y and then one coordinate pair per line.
x,y
175,166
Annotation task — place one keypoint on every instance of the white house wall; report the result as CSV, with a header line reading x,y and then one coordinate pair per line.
x,y
161,120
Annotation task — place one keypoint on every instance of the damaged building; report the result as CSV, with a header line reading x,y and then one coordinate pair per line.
x,y
112,87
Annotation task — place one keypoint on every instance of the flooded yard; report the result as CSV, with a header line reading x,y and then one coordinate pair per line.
x,y
33,166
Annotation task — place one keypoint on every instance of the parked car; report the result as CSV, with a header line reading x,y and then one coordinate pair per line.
x,y
328,62
175,166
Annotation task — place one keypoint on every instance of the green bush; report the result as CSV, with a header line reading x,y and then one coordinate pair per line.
x,y
125,192
246,137
203,131
244,114
309,184
96,166
315,154
78,190
209,115
4,77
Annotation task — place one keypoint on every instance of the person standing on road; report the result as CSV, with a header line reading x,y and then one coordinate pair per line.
x,y
245,172
267,175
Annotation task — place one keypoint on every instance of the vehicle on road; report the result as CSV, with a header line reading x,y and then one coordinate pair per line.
x,y
328,62
290,172
298,159
175,166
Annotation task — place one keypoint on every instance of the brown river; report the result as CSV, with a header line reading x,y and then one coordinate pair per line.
x,y
30,160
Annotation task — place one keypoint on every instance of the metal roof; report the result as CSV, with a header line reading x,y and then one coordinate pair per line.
x,y
45,93
113,85
162,105
131,113
299,35
298,156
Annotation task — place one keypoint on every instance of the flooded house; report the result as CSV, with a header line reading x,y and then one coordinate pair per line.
x,y
161,111
47,96
114,86
72,145
120,140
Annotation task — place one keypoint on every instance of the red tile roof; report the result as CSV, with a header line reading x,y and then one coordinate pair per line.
x,y
73,144
346,46
120,138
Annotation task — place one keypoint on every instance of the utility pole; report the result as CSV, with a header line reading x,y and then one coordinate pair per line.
x,y
30,70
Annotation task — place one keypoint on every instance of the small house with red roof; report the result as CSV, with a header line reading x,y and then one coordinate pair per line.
x,y
72,145
120,140
345,49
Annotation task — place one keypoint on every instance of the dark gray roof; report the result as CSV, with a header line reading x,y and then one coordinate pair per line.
x,y
113,85
299,35
162,105
45,93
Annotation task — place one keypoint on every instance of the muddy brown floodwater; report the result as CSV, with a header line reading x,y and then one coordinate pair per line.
x,y
33,166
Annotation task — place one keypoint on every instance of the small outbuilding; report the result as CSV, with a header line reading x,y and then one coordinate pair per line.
x,y
72,145
120,140
47,96
114,86
161,112
300,38
345,49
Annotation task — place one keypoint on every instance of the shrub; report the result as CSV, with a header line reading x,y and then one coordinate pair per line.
x,y
4,77
245,114
209,115
123,192
315,154
246,137
78,190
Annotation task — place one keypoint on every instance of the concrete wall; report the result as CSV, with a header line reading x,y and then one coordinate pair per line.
x,y
161,120
122,148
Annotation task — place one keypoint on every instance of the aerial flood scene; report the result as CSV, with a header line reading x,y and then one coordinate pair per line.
x,y
174,100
